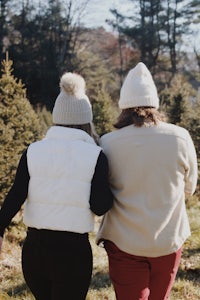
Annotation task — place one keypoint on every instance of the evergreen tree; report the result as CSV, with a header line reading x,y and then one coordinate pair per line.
x,y
144,33
45,118
182,106
157,29
19,125
103,112
177,101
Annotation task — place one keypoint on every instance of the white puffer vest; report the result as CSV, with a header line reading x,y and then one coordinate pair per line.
x,y
61,167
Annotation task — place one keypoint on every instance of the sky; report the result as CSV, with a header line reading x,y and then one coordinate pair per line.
x,y
97,11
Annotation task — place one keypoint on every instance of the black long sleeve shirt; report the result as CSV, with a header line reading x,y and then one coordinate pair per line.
x,y
101,198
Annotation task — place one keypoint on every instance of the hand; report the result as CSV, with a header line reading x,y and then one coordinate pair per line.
x,y
1,242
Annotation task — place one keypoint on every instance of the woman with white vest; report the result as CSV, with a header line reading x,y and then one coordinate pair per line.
x,y
152,167
63,181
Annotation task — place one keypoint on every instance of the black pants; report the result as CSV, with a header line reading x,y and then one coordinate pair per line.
x,y
57,265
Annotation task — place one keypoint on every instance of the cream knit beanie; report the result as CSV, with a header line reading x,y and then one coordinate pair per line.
x,y
72,106
138,89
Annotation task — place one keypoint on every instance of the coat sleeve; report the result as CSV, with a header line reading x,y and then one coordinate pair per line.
x,y
16,196
191,174
101,198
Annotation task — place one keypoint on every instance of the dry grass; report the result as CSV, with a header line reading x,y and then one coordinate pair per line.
x,y
186,287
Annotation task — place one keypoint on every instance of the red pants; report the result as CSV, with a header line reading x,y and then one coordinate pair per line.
x,y
141,278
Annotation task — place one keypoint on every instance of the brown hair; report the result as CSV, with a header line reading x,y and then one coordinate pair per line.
x,y
89,128
139,116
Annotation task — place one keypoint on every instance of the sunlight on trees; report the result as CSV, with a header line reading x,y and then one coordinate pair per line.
x,y
19,124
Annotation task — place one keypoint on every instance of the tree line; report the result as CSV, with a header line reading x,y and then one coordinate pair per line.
x,y
46,38
158,29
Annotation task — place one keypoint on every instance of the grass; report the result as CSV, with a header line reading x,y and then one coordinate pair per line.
x,y
186,287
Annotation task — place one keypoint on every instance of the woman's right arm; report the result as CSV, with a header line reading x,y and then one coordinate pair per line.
x,y
16,196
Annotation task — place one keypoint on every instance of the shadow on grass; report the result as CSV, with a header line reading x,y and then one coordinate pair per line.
x,y
17,290
192,274
190,252
100,280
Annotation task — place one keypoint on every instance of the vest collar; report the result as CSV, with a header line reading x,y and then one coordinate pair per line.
x,y
66,133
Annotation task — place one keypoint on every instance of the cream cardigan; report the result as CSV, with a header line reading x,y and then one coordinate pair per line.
x,y
151,169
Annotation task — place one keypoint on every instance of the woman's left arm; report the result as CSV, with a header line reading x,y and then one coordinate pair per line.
x,y
101,197
192,171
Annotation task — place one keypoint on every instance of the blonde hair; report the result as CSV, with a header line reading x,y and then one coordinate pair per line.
x,y
139,116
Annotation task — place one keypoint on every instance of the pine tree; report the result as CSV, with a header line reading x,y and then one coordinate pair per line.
x,y
45,118
177,101
103,112
19,125
183,108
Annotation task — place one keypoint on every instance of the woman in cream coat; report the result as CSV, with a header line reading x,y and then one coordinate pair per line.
x,y
152,167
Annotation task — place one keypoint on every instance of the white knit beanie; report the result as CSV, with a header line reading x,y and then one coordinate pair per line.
x,y
72,106
138,89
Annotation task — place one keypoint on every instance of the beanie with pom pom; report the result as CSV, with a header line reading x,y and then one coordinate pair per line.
x,y
72,106
138,89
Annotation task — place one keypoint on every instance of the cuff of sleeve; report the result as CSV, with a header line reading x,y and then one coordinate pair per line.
x,y
2,230
189,192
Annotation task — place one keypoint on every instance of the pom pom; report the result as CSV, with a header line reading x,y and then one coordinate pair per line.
x,y
72,84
